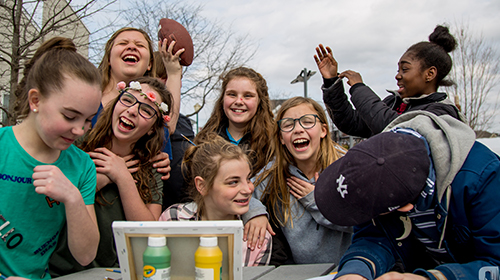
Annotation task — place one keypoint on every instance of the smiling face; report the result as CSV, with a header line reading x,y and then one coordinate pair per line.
x,y
303,144
127,123
240,101
129,56
411,78
66,113
231,191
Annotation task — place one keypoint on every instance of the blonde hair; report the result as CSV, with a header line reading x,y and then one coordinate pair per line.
x,y
277,194
204,160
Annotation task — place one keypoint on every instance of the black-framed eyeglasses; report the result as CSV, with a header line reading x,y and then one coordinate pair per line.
x,y
145,110
306,121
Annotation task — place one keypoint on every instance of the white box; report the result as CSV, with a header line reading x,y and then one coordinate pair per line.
x,y
183,238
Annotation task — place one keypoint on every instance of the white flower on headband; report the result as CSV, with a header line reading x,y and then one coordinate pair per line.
x,y
164,107
135,86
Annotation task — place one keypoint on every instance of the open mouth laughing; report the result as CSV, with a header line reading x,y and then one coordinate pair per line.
x,y
130,58
126,124
300,144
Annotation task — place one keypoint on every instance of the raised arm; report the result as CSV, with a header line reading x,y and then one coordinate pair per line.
x,y
174,83
343,115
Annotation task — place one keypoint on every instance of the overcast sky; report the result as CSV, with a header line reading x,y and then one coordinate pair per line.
x,y
367,36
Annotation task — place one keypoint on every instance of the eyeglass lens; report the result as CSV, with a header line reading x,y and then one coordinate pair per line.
x,y
306,121
145,110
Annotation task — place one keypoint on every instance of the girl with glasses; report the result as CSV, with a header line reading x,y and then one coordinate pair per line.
x,y
301,148
130,129
129,54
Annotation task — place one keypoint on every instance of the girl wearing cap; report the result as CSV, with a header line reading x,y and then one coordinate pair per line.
x,y
421,70
300,149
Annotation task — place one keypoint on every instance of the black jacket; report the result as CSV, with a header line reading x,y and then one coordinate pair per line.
x,y
372,115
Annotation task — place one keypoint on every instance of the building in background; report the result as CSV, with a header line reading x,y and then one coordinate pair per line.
x,y
57,18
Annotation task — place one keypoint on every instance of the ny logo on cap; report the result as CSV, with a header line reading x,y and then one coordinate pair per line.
x,y
342,189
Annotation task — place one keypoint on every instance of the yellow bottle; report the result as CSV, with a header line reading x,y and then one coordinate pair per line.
x,y
208,260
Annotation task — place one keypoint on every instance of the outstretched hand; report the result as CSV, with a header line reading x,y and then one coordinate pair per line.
x,y
327,65
352,77
170,60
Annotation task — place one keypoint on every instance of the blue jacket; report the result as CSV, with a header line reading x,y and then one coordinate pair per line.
x,y
467,220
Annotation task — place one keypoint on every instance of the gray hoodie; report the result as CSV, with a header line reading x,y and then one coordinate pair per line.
x,y
312,239
450,141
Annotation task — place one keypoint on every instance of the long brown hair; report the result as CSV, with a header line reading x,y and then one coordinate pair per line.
x,y
105,67
144,149
277,194
261,124
204,160
45,71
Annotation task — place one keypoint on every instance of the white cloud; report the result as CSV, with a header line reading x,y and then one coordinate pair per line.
x,y
365,35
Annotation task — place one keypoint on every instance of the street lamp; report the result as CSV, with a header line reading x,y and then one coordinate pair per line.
x,y
303,77
197,108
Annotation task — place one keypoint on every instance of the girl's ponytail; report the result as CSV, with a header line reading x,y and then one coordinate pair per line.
x,y
45,71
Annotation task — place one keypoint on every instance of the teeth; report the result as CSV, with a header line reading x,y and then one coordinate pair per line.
x,y
127,122
238,110
130,57
300,141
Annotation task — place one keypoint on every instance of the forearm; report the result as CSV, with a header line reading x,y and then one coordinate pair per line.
x,y
374,112
343,115
256,208
174,85
83,233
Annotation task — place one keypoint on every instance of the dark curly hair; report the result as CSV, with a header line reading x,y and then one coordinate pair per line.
x,y
436,53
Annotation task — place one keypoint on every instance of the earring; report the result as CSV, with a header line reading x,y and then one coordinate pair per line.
x,y
35,110
83,127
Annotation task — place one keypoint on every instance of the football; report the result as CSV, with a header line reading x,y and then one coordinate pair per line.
x,y
174,31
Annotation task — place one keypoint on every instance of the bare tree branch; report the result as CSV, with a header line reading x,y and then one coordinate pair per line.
x,y
216,49
476,72
25,24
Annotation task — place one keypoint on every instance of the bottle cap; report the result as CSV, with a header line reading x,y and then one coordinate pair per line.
x,y
208,241
154,241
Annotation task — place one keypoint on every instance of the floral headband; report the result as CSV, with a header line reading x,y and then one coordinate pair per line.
x,y
163,107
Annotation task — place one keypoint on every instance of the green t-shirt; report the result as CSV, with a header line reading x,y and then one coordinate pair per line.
x,y
30,223
108,208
